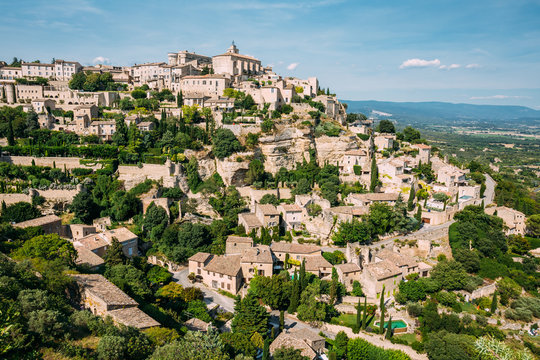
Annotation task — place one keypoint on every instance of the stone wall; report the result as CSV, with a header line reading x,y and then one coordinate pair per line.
x,y
164,263
69,162
243,129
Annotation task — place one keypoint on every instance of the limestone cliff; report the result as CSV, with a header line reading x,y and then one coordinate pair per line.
x,y
285,148
233,171
331,149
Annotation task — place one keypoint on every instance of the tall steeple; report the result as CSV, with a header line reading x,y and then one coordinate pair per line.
x,y
233,49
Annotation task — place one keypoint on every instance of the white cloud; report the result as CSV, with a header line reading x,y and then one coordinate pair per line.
x,y
498,97
101,60
450,67
473,66
292,66
419,63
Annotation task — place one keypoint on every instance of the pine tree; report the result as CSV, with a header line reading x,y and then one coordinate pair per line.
x,y
281,320
115,254
410,203
389,329
250,318
374,175
364,315
494,303
381,305
266,349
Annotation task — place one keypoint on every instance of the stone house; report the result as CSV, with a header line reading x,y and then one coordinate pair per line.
x,y
145,126
103,298
256,261
267,214
297,252
233,63
99,242
292,216
43,105
197,262
365,200
223,272
451,176
348,273
513,220
51,224
384,141
318,265
78,231
353,158
237,244
309,343
424,152
104,129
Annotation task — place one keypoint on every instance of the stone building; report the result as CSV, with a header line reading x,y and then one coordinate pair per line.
x,y
308,342
514,220
233,63
103,298
51,224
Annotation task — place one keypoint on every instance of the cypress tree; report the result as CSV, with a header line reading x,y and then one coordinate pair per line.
x,y
418,215
334,286
358,317
115,254
295,296
286,265
389,329
10,135
410,203
266,349
364,315
494,303
273,333
332,355
302,276
179,99
381,305
281,320
374,175
4,206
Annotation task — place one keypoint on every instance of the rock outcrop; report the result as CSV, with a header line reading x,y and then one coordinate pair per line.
x,y
285,148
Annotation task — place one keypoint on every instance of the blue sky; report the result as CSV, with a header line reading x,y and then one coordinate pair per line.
x,y
480,52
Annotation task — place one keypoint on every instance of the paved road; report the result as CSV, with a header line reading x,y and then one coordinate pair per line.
x,y
210,296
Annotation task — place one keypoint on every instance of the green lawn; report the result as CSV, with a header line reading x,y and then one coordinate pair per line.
x,y
410,338
348,320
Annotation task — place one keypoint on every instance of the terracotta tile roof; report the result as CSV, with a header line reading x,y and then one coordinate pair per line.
x,y
200,257
422,146
224,264
44,220
260,254
133,316
240,239
103,289
289,341
348,268
316,262
295,248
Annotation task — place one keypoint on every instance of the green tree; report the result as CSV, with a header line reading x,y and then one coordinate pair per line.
x,y
193,346
389,330
410,202
353,232
115,254
250,317
494,303
340,345
129,279
48,247
155,221
334,286
225,143
386,126
295,295
255,172
77,81
364,314
47,324
381,308
84,207
192,174
138,94
374,182
111,347
533,225
358,317
450,274
266,350
179,99
19,212
443,345
288,353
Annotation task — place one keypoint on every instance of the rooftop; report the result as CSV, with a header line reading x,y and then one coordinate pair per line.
x,y
195,324
268,209
87,257
92,241
260,254
288,340
44,220
295,248
250,219
133,316
291,208
316,262
240,239
200,257
103,289
224,264
348,268
382,269
121,234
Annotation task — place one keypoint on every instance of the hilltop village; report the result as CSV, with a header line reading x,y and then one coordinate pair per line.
x,y
209,200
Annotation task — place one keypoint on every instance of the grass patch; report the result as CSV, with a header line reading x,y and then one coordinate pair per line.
x,y
348,320
226,293
409,338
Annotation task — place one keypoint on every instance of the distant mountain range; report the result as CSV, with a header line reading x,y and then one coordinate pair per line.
x,y
442,111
